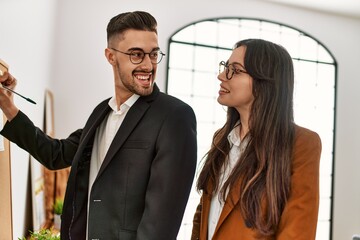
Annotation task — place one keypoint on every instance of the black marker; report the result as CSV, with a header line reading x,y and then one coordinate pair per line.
x,y
27,99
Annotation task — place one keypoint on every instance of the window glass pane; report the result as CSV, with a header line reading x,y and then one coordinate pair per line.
x,y
323,230
228,33
305,93
181,82
308,48
206,59
326,164
220,117
181,56
185,35
206,84
271,28
205,132
289,31
203,108
270,31
325,190
324,208
324,56
326,81
249,29
223,55
250,25
290,40
206,33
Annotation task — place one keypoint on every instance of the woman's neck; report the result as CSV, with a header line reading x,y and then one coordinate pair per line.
x,y
244,129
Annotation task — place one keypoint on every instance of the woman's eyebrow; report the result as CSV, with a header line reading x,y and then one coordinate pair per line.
x,y
236,63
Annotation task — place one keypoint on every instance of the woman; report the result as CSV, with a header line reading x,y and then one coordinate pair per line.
x,y
260,179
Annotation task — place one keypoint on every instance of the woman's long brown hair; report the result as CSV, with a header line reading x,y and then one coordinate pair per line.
x,y
264,168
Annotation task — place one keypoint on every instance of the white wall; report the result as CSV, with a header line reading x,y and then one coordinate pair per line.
x,y
26,30
80,77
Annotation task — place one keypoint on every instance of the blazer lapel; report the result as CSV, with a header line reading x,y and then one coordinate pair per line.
x,y
230,203
89,130
131,120
94,123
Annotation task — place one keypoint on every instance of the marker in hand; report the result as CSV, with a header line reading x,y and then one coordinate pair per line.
x,y
3,69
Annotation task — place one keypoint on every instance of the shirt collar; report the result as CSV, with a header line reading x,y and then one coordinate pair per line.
x,y
126,105
233,137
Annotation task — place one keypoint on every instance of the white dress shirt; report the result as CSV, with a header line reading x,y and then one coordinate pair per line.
x,y
237,147
104,136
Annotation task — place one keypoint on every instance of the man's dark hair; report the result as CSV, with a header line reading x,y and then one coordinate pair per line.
x,y
137,20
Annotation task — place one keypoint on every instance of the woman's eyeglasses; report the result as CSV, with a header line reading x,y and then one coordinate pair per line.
x,y
230,69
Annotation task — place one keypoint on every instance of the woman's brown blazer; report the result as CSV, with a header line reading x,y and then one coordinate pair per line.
x,y
300,215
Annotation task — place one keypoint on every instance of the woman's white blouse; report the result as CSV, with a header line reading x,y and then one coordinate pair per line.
x,y
237,147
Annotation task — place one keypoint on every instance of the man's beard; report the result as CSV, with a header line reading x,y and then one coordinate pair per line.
x,y
130,84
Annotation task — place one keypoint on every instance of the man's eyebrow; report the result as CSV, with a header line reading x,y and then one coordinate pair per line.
x,y
140,49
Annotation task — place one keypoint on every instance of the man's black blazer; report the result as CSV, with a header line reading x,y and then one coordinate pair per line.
x,y
143,185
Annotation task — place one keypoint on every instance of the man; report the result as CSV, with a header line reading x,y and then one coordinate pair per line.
x,y
133,163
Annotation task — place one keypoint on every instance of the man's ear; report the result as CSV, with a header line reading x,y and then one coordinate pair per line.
x,y
110,56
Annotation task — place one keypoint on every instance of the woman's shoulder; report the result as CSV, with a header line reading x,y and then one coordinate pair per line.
x,y
307,145
305,134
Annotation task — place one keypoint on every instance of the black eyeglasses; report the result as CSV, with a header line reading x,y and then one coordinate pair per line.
x,y
137,55
229,69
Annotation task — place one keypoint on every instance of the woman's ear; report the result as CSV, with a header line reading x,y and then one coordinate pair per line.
x,y
110,56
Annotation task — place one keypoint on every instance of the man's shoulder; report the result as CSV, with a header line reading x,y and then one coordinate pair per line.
x,y
100,107
102,104
169,102
172,100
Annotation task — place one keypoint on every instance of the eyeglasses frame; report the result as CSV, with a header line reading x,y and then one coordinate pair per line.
x,y
130,54
227,69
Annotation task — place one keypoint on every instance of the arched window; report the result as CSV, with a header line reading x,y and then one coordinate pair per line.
x,y
194,54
